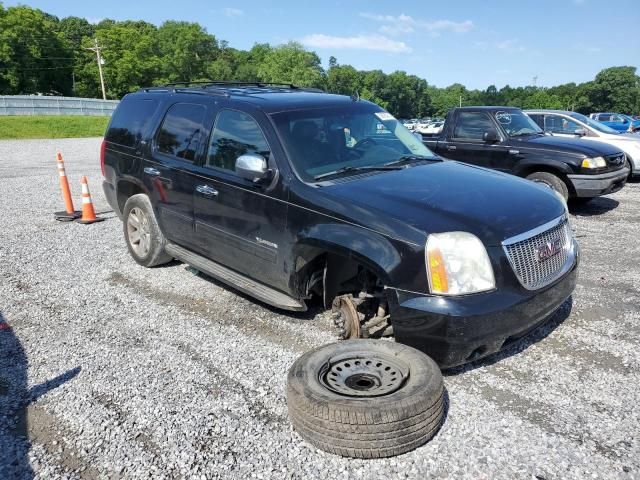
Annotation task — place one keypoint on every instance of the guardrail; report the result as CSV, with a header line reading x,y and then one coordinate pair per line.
x,y
41,105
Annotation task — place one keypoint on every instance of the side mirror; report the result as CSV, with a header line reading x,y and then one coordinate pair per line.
x,y
581,132
491,136
252,167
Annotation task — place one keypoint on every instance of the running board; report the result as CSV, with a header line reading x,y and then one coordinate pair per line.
x,y
236,280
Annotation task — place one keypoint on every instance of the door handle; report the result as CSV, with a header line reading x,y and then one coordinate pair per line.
x,y
207,190
152,171
451,148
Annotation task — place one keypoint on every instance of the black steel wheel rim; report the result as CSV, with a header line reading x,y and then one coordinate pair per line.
x,y
363,374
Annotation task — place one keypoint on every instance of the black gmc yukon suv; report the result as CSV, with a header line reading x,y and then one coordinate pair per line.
x,y
290,194
505,139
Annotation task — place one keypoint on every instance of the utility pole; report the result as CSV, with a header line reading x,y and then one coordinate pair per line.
x,y
535,80
97,48
461,100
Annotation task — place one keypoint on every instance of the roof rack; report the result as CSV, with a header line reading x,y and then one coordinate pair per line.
x,y
222,87
215,83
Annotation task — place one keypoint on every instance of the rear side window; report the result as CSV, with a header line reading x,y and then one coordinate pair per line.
x,y
472,125
536,117
235,133
130,121
181,131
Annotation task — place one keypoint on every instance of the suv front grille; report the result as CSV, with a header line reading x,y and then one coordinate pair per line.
x,y
542,255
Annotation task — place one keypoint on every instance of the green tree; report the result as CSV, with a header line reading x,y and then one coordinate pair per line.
x,y
292,63
131,59
185,49
615,88
34,58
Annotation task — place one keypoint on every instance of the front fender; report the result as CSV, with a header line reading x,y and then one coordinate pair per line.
x,y
396,263
544,163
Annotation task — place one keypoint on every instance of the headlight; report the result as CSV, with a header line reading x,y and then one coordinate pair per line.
x,y
457,264
597,162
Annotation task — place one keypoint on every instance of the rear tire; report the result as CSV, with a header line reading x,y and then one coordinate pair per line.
x,y
552,181
365,398
144,239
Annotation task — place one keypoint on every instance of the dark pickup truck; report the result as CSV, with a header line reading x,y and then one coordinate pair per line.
x,y
505,139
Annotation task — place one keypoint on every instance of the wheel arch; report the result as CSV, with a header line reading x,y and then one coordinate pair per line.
x,y
558,169
339,249
127,187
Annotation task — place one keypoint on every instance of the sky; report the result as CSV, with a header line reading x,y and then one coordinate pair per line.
x,y
476,43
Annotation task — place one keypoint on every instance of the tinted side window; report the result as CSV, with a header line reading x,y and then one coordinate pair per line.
x,y
130,121
235,133
181,130
555,124
472,125
539,119
604,117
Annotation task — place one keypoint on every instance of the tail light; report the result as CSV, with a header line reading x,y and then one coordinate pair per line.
x,y
102,147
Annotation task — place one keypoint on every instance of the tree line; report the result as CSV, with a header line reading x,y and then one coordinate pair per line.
x,y
40,53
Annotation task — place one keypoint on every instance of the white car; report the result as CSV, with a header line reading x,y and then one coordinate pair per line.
x,y
411,124
433,128
575,125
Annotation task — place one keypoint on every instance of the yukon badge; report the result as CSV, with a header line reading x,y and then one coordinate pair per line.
x,y
548,250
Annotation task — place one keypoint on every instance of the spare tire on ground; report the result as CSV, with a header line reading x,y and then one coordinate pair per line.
x,y
365,398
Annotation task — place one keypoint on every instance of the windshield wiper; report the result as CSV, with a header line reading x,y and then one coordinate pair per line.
x,y
410,158
355,169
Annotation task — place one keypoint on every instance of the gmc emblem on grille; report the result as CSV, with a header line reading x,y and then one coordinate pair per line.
x,y
548,250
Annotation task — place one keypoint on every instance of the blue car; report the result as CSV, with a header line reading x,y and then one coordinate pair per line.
x,y
618,121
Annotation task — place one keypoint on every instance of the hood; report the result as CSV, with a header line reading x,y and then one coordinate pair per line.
x,y
576,146
450,196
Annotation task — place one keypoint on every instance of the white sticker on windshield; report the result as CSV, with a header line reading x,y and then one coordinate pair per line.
x,y
384,116
503,117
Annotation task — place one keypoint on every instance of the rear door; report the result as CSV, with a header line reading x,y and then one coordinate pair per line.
x,y
177,145
467,144
240,223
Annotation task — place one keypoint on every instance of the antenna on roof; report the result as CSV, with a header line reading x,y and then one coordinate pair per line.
x,y
355,96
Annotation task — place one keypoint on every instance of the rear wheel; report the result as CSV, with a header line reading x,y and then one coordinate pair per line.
x,y
144,239
552,181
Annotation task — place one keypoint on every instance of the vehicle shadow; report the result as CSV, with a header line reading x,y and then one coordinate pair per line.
x,y
597,206
15,397
535,336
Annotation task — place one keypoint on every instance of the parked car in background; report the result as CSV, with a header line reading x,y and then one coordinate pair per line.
x,y
617,121
504,138
432,128
575,125
410,124
289,194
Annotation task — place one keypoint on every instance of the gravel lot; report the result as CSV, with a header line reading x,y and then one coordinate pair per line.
x,y
116,371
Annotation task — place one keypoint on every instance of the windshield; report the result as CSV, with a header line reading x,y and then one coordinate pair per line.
x,y
320,141
517,124
601,127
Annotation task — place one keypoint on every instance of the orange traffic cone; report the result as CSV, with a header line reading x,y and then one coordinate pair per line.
x,y
70,213
88,214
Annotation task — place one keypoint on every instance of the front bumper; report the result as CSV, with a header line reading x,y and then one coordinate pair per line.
x,y
600,184
458,330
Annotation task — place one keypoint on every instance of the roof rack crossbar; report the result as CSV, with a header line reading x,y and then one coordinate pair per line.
x,y
215,83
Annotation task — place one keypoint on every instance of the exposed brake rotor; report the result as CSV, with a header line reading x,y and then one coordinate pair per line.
x,y
346,317
362,317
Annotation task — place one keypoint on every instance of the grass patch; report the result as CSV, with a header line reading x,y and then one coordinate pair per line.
x,y
51,126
